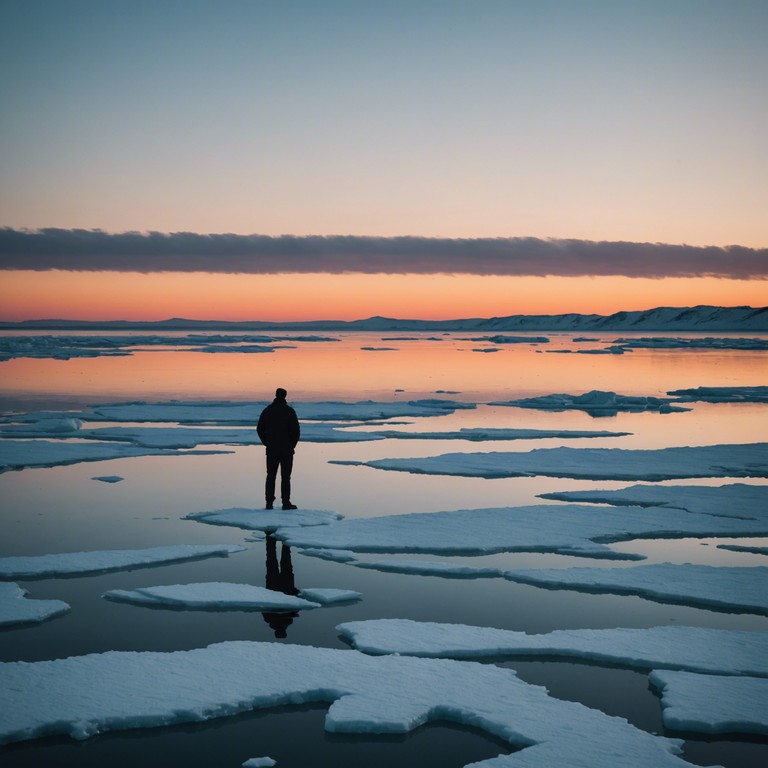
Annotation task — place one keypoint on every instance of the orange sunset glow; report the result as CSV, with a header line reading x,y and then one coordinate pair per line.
x,y
132,296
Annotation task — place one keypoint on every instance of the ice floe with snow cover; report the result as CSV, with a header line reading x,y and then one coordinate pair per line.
x,y
101,561
498,433
705,342
18,454
227,412
730,589
111,691
738,500
265,519
571,529
211,596
696,649
330,596
739,460
712,703
15,608
596,403
431,568
259,762
721,394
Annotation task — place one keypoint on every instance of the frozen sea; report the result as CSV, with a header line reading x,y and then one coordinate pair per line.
x,y
61,509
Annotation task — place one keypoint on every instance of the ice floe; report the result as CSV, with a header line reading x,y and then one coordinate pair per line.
x,y
480,434
739,500
730,589
596,403
721,394
86,695
101,561
259,762
63,426
740,460
15,608
212,596
329,596
335,555
744,548
571,529
265,519
109,478
431,568
696,649
712,703
500,339
701,342
18,454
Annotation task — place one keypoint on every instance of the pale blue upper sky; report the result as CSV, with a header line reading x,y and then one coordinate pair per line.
x,y
616,120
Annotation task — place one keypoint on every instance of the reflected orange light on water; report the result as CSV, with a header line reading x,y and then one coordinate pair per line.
x,y
203,296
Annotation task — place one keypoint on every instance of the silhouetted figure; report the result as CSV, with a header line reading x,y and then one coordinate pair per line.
x,y
279,579
279,430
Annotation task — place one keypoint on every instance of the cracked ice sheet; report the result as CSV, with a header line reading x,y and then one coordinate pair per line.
x,y
16,609
248,413
266,520
730,589
86,695
102,561
737,500
568,529
712,703
211,596
740,460
696,649
17,454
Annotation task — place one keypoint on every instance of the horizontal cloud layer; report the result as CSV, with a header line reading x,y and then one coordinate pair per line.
x,y
95,250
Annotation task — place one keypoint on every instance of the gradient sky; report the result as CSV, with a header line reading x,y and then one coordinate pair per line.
x,y
600,121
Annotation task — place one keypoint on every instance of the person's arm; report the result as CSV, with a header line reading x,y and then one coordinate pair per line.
x,y
295,429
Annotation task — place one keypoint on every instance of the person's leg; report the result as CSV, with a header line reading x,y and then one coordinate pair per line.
x,y
269,489
286,467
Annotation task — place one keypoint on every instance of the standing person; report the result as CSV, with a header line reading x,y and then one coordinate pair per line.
x,y
278,429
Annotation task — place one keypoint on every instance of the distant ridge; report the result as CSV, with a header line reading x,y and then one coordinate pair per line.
x,y
701,318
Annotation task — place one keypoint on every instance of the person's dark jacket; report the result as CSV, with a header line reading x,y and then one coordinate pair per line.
x,y
278,427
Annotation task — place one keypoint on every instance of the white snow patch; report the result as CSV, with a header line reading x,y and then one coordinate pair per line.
x,y
15,609
328,596
740,460
87,695
723,588
100,561
711,703
265,519
581,530
697,649
212,596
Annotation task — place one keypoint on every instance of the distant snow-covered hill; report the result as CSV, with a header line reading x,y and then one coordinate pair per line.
x,y
701,318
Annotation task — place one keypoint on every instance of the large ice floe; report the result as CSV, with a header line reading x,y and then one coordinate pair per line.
x,y
696,649
16,609
235,413
721,394
266,520
596,403
18,454
730,589
86,695
479,434
700,342
712,703
738,500
739,460
211,596
569,529
101,561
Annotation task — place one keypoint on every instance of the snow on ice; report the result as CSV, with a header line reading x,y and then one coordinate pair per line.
x,y
740,460
16,609
111,691
101,561
329,596
730,589
696,649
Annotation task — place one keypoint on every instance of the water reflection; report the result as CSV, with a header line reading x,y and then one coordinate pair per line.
x,y
279,578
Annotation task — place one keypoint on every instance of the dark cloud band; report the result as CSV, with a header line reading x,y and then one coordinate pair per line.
x,y
94,250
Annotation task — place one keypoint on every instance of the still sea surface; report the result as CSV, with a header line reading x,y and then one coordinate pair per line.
x,y
61,509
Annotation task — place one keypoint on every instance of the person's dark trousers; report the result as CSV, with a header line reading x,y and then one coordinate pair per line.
x,y
285,462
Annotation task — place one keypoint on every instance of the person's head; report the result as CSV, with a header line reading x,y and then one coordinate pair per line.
x,y
280,393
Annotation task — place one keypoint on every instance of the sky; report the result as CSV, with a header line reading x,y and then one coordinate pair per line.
x,y
437,159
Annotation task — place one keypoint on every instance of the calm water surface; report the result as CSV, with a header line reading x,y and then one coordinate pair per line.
x,y
62,509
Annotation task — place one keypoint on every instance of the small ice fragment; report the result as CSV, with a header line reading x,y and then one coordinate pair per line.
x,y
259,762
16,609
328,596
109,478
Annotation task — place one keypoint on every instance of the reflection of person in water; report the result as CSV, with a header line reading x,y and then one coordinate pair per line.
x,y
279,579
